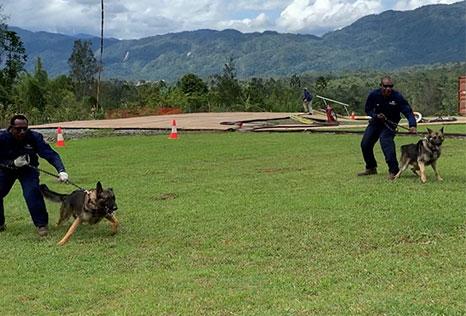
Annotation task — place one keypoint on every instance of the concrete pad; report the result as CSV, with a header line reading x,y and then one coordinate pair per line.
x,y
221,121
190,121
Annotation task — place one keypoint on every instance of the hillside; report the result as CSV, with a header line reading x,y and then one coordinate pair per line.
x,y
390,40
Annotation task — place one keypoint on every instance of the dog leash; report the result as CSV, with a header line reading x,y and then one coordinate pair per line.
x,y
43,171
55,176
396,125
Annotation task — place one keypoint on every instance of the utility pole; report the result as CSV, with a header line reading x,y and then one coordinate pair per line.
x,y
101,54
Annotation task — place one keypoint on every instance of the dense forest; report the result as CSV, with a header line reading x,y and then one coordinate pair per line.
x,y
431,90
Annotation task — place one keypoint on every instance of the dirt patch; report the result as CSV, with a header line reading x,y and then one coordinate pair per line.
x,y
166,196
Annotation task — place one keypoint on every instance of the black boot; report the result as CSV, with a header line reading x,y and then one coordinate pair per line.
x,y
368,172
43,231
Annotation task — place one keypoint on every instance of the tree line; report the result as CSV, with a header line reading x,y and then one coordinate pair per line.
x,y
431,90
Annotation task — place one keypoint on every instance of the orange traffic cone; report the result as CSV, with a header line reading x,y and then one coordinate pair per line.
x,y
60,139
353,117
174,133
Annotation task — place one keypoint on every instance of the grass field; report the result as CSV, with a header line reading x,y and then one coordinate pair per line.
x,y
244,224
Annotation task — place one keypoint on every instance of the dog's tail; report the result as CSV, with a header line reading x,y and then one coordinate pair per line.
x,y
52,196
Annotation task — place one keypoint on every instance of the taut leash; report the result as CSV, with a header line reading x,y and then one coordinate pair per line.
x,y
55,176
395,125
43,171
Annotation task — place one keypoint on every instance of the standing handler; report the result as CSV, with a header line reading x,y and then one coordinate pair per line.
x,y
307,101
20,149
384,106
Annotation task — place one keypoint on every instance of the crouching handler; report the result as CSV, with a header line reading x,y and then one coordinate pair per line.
x,y
384,106
19,160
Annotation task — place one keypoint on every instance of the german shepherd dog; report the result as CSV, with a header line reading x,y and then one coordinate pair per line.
x,y
89,206
424,153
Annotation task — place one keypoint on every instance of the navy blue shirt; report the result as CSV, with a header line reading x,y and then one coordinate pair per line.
x,y
391,106
307,96
33,145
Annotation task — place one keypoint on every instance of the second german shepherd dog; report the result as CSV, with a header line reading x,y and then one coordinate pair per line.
x,y
424,153
89,206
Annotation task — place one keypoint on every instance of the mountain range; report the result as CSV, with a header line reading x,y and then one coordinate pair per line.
x,y
433,34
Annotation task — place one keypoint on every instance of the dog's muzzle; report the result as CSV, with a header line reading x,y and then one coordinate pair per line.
x,y
111,210
437,142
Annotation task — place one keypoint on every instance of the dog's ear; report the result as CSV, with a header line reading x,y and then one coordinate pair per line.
x,y
429,130
98,188
441,130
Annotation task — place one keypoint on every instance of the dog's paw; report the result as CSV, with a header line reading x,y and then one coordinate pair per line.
x,y
62,242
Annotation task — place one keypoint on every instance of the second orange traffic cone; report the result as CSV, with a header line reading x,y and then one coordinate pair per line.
x,y
353,117
174,132
60,139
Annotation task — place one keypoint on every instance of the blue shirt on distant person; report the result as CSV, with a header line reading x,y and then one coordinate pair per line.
x,y
307,96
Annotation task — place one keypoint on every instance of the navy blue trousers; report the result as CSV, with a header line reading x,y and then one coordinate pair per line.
x,y
29,180
372,134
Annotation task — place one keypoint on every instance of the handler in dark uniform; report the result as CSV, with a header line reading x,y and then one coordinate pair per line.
x,y
20,149
307,101
384,106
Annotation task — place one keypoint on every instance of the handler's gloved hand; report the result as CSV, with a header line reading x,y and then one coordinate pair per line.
x,y
62,176
21,161
412,130
381,117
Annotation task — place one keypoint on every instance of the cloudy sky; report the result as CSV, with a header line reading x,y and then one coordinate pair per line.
x,y
130,19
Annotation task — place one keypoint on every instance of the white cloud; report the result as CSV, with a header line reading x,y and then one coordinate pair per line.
x,y
305,16
51,15
258,24
258,5
141,18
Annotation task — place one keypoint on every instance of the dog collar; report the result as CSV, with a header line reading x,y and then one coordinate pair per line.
x,y
431,147
87,202
426,144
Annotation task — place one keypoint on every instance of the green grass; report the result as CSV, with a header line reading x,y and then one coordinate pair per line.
x,y
244,224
